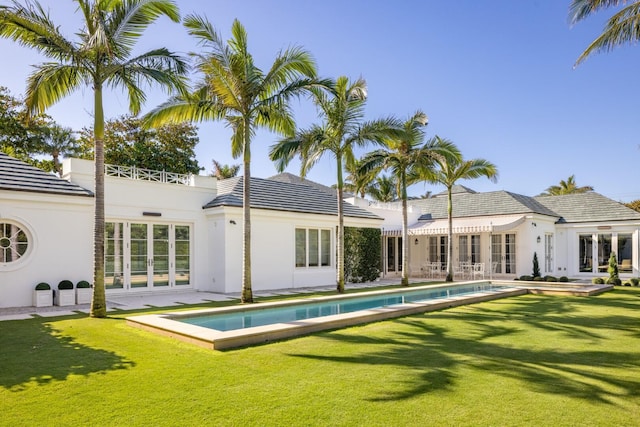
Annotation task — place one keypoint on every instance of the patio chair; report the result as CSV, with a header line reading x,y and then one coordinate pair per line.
x,y
478,270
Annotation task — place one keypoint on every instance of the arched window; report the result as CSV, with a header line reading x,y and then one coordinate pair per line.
x,y
13,242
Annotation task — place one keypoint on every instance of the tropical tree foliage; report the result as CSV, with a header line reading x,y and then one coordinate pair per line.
x,y
19,137
100,57
383,189
406,156
622,28
566,187
343,128
634,204
222,171
170,147
233,89
451,169
58,141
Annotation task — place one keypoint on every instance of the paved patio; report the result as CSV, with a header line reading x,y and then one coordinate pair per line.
x,y
171,299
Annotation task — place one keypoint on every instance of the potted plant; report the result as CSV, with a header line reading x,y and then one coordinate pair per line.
x,y
66,294
83,292
43,295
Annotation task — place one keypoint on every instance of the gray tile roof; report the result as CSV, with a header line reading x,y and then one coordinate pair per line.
x,y
456,189
295,179
283,196
482,204
15,175
588,207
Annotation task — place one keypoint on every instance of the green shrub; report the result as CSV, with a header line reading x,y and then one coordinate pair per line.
x,y
627,284
597,281
83,284
361,254
536,266
635,281
42,286
65,284
563,279
538,279
526,278
613,266
550,278
615,281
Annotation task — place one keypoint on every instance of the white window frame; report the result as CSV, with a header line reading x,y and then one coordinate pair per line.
x,y
320,252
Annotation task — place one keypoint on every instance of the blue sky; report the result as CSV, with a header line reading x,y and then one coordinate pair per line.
x,y
494,76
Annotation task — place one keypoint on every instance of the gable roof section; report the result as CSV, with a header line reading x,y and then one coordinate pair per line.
x,y
588,207
283,196
482,204
16,175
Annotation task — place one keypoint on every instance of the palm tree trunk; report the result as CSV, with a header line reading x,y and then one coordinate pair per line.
x,y
340,243
405,237
247,292
449,236
99,301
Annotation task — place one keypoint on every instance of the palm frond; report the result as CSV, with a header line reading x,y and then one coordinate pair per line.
x,y
50,83
197,107
581,9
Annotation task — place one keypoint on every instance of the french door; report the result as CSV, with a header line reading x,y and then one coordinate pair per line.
x,y
503,253
146,255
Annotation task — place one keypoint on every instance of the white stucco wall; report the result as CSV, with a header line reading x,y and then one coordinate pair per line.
x,y
273,248
59,230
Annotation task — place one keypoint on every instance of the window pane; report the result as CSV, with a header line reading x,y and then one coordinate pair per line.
x,y
301,247
604,252
114,253
13,242
313,248
325,240
475,249
586,253
182,232
624,253
462,248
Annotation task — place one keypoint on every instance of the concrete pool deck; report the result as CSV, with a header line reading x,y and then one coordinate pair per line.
x,y
168,324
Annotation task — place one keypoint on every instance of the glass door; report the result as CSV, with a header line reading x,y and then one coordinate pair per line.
x,y
496,253
510,253
159,263
182,255
140,261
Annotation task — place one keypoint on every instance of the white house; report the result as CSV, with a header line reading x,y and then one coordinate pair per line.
x,y
572,235
164,231
167,232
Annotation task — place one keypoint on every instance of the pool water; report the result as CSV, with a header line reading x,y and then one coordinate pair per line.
x,y
268,316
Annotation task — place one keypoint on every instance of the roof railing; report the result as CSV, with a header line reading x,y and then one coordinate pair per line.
x,y
132,172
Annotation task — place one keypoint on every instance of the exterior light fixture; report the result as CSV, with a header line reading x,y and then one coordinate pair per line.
x,y
415,242
538,239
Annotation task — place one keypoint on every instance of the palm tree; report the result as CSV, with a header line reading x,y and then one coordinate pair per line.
x,y
235,90
452,168
566,187
383,189
354,181
622,28
221,171
405,154
59,141
342,130
101,57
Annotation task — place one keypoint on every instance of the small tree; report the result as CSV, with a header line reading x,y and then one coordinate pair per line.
x,y
536,265
613,267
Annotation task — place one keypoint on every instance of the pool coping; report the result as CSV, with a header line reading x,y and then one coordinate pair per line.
x,y
164,323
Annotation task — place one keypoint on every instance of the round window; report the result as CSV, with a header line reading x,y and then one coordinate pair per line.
x,y
13,242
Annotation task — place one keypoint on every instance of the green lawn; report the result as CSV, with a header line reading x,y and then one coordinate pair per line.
x,y
531,360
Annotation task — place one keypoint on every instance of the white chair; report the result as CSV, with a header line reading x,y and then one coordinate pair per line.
x,y
478,270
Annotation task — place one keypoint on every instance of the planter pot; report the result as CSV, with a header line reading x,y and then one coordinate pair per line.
x,y
65,297
43,298
84,295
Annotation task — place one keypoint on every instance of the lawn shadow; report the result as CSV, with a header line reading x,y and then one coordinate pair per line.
x,y
432,354
37,352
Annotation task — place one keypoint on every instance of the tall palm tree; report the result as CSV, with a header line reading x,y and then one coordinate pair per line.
x,y
622,28
342,130
222,171
452,168
404,155
355,182
566,187
235,90
99,58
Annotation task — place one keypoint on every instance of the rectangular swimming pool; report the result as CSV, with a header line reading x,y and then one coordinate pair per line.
x,y
267,316
241,325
